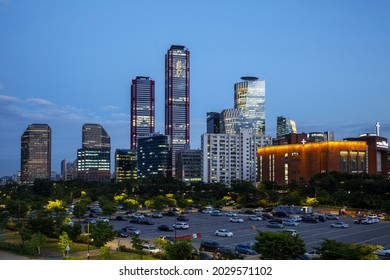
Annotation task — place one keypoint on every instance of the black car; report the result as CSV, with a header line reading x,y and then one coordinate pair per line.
x,y
310,219
266,216
146,222
280,214
210,246
121,218
165,228
226,253
182,218
122,233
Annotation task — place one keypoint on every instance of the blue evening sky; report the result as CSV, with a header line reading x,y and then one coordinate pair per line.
x,y
65,63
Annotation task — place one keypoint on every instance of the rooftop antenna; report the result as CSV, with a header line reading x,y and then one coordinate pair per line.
x,y
377,126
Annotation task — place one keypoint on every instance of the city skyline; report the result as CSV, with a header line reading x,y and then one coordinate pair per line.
x,y
325,64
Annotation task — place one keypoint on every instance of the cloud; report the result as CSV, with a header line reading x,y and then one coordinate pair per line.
x,y
7,98
39,102
110,108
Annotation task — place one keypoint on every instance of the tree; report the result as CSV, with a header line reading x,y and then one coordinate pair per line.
x,y
137,243
279,245
179,250
37,241
333,250
101,233
63,242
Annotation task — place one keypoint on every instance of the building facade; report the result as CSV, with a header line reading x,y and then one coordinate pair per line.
x,y
177,99
125,165
285,126
68,170
213,122
36,153
229,157
285,164
188,166
249,98
142,109
154,156
94,158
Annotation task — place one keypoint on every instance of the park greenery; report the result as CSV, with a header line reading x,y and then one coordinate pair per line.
x,y
39,211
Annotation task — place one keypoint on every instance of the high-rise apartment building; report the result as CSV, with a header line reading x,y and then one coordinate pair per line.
x,y
94,158
249,98
125,165
285,126
229,157
142,109
36,153
177,99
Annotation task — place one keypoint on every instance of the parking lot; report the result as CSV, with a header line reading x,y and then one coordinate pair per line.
x,y
205,226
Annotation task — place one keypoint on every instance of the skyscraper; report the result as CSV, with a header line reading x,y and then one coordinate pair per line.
x,y
125,165
36,153
142,111
93,159
285,126
177,99
213,122
249,98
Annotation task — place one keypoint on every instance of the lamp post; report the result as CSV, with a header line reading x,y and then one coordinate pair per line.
x,y
88,240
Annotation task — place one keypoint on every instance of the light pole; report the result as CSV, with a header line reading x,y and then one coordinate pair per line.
x,y
88,240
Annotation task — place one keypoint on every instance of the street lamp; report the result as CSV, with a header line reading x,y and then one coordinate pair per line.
x,y
88,240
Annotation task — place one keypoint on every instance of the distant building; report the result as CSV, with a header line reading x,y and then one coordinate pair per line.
x,y
291,138
142,109
228,120
68,170
36,153
213,122
94,158
177,99
154,156
188,166
125,165
285,126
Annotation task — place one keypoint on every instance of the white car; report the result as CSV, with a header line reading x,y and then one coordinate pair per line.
x,y
216,213
236,220
231,214
293,232
313,254
339,225
206,211
223,232
180,225
150,249
290,222
138,216
255,218
103,219
384,252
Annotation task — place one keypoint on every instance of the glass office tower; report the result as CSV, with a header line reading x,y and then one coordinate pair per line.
x,y
36,153
177,99
249,98
94,158
285,126
142,111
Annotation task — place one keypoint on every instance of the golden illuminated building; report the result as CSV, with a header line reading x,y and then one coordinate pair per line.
x,y
296,162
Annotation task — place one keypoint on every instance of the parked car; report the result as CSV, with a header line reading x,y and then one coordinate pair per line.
x,y
321,218
339,225
289,222
363,221
310,219
132,230
231,214
206,211
121,218
216,213
122,233
266,216
181,225
204,256
312,254
156,215
280,214
182,218
248,212
272,224
255,218
259,209
165,228
90,220
226,253
103,219
209,245
384,252
293,232
244,249
236,220
331,217
223,232
138,216
146,222
150,249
